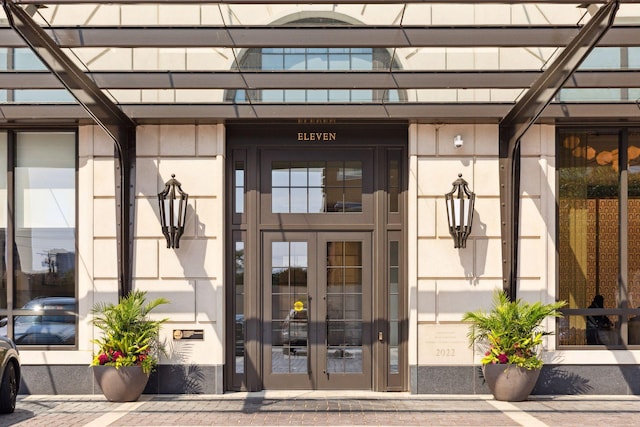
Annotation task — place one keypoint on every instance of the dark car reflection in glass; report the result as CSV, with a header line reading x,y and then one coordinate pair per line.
x,y
295,329
44,329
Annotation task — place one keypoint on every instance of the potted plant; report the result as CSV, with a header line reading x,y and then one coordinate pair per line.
x,y
129,345
511,335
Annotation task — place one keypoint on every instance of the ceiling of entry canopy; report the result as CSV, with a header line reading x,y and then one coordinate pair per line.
x,y
428,61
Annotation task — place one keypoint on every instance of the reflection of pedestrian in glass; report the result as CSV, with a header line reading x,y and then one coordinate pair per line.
x,y
596,322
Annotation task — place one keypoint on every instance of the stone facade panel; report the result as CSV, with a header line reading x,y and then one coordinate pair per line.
x,y
177,140
438,258
198,176
147,140
194,259
446,135
486,180
106,261
103,177
180,293
146,259
488,260
104,217
433,174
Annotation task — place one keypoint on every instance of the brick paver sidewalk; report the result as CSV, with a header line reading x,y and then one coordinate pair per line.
x,y
324,409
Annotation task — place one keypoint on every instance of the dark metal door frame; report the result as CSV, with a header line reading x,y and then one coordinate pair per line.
x,y
314,374
387,142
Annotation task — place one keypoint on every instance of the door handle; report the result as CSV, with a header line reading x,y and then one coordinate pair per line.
x,y
380,337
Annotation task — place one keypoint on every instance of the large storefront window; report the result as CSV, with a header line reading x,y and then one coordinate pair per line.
x,y
39,288
598,225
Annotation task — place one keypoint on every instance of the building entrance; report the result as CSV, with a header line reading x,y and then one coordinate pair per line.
x,y
312,208
317,310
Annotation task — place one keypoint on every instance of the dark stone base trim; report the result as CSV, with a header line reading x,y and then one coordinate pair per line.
x,y
554,379
78,379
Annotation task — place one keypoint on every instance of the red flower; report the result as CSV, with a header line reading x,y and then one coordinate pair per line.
x,y
103,358
116,355
502,358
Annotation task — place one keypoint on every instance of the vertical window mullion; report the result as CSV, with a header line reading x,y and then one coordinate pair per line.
x,y
623,217
10,233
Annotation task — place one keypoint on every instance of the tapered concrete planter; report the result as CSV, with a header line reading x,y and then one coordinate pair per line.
x,y
125,384
509,382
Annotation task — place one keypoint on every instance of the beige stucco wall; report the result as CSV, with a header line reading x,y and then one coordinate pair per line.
x,y
445,282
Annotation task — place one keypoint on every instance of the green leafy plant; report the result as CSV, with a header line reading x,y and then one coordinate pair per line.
x,y
129,336
511,331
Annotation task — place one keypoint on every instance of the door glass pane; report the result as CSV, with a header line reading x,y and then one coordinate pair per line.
x,y
344,307
280,200
289,307
299,174
316,200
393,184
280,174
394,324
239,187
298,200
316,174
239,306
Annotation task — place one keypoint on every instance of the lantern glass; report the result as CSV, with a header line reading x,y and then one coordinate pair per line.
x,y
173,215
460,201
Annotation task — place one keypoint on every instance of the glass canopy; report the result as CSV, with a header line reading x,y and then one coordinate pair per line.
x,y
250,59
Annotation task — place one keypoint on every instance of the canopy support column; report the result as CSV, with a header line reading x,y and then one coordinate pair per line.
x,y
520,118
106,114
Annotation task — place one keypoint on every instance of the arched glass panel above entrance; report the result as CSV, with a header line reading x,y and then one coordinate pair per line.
x,y
316,60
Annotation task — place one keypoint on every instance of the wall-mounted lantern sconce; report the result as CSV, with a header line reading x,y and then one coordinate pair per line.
x,y
173,211
460,202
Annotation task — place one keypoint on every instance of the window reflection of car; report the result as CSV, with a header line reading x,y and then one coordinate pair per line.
x,y
239,334
44,329
348,207
294,330
9,375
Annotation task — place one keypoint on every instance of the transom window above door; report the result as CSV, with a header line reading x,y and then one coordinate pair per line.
x,y
316,186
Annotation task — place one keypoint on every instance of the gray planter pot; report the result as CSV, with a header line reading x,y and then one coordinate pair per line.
x,y
509,382
125,384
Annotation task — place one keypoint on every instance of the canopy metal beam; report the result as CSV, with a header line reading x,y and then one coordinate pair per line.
x,y
323,36
476,112
255,80
105,113
521,117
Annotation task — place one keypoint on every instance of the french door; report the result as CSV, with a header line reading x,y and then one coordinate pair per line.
x,y
317,310
316,285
